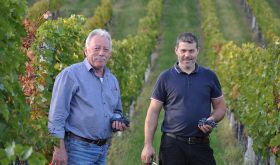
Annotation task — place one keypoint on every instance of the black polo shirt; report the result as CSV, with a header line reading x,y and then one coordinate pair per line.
x,y
186,98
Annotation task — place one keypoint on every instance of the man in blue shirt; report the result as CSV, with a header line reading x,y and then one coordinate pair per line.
x,y
85,97
186,92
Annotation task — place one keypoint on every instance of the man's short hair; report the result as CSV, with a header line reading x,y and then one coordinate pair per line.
x,y
187,37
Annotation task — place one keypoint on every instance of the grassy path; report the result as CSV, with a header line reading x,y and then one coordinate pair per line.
x,y
178,17
275,5
233,21
85,7
126,15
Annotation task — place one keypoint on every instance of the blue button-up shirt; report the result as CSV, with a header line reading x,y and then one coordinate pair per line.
x,y
82,103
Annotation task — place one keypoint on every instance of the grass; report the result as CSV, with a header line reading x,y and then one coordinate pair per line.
x,y
126,149
275,5
84,7
30,2
233,22
126,15
178,17
226,148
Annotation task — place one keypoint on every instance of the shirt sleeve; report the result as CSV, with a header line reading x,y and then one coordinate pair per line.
x,y
63,90
119,104
216,90
159,92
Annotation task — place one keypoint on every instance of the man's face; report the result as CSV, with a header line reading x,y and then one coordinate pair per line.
x,y
98,52
187,54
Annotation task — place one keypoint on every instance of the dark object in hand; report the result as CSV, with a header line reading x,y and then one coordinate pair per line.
x,y
204,121
151,161
120,119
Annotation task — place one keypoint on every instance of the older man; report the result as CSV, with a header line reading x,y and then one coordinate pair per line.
x,y
85,97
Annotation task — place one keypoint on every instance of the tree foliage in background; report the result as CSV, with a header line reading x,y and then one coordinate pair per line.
x,y
251,85
40,7
267,20
250,78
14,113
59,43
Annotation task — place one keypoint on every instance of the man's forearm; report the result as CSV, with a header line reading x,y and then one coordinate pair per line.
x,y
150,128
218,115
151,121
151,125
220,108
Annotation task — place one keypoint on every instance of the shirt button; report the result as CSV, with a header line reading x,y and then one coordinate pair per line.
x,y
104,103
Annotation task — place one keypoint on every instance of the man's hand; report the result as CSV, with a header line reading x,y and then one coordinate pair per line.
x,y
59,156
205,128
120,126
207,125
148,152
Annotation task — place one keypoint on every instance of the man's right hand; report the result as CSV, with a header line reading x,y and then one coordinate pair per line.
x,y
148,152
59,156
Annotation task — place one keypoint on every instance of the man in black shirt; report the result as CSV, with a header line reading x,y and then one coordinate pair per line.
x,y
186,92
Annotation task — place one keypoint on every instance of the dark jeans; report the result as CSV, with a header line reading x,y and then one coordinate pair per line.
x,y
176,152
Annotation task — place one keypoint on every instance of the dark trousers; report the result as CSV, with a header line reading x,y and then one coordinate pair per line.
x,y
176,152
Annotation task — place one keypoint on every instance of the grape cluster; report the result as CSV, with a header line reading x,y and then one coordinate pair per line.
x,y
204,121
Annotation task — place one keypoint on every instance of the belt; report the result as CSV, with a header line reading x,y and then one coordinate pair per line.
x,y
99,142
189,140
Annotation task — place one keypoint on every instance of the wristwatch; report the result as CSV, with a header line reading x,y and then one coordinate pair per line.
x,y
117,116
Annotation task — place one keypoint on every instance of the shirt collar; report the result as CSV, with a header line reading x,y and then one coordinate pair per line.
x,y
89,67
179,70
87,64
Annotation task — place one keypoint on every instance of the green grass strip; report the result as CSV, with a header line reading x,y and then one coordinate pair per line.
x,y
85,7
233,22
275,5
126,15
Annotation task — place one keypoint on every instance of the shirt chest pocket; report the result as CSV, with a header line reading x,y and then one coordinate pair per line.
x,y
112,96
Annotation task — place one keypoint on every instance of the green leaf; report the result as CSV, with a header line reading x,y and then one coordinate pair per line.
x,y
4,111
275,141
37,159
27,153
10,150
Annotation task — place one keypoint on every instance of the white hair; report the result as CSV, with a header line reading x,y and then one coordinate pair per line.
x,y
99,32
